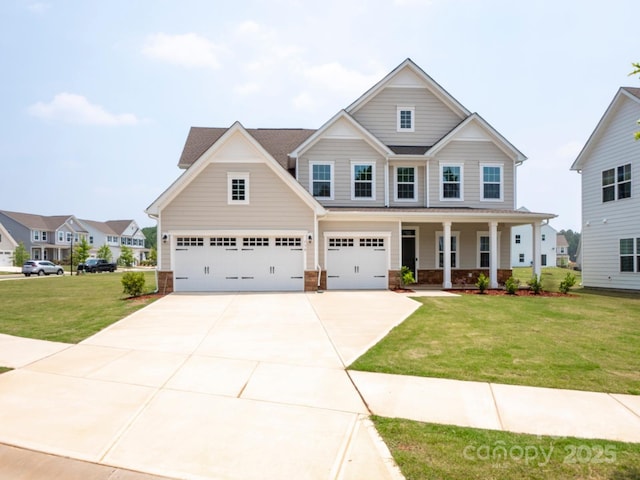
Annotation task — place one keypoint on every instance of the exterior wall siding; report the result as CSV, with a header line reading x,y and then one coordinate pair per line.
x,y
471,154
433,119
202,205
604,224
342,152
526,245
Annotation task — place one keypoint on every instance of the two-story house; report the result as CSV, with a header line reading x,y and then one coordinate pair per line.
x,y
7,247
562,251
115,234
609,165
522,245
44,237
404,176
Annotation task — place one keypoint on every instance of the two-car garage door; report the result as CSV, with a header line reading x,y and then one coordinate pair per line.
x,y
238,263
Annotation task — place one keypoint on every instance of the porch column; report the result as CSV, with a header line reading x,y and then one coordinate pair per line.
x,y
493,254
537,248
446,261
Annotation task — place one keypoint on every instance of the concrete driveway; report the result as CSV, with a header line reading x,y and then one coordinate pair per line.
x,y
246,386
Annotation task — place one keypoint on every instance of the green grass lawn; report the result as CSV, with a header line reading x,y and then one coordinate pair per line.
x,y
65,309
427,451
551,276
588,341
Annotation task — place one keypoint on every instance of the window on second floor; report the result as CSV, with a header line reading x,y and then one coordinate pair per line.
x,y
491,182
451,186
321,179
405,119
44,236
406,184
36,235
60,236
363,185
616,183
68,237
544,237
518,238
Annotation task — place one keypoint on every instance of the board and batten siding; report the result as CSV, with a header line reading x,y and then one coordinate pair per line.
x,y
604,224
203,205
392,227
433,119
472,155
342,152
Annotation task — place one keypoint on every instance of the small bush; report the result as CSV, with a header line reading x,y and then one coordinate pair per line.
x,y
511,285
536,284
482,283
133,283
568,282
406,275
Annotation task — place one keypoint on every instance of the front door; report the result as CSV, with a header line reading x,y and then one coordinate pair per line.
x,y
409,251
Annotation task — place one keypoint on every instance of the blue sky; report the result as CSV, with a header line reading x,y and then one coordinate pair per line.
x,y
97,97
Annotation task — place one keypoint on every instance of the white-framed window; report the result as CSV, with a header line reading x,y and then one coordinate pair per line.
x,y
521,258
69,237
36,235
321,179
491,188
363,181
44,236
406,184
440,249
484,254
60,236
616,183
237,188
518,238
544,237
406,119
630,255
451,178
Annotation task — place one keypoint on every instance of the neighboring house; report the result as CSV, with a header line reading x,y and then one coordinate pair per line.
x,y
562,251
116,233
44,237
522,245
405,175
7,247
609,165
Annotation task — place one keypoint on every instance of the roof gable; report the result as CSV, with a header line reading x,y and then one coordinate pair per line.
x,y
623,94
475,128
407,75
235,145
6,236
342,126
42,222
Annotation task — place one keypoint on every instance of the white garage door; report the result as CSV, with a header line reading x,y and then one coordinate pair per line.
x,y
357,263
6,258
230,264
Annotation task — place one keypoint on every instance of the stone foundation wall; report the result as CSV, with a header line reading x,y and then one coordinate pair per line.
x,y
165,282
459,277
311,281
394,279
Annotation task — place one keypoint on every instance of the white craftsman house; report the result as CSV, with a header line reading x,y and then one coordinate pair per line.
x,y
522,245
609,165
404,176
7,247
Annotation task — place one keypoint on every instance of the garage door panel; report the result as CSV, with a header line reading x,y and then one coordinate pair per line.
x,y
357,263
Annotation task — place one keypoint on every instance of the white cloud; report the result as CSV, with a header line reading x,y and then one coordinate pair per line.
x,y
72,108
39,7
187,50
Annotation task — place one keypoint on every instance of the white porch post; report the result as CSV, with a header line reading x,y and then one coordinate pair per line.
x,y
446,261
537,248
493,254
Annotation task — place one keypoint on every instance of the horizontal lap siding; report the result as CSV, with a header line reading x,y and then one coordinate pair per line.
x,y
202,205
471,154
433,119
342,152
600,240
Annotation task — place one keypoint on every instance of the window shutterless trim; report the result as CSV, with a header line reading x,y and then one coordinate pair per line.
x,y
396,183
460,182
234,180
401,119
331,165
355,163
500,183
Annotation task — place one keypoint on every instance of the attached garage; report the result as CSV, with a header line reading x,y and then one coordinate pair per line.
x,y
238,263
6,258
357,262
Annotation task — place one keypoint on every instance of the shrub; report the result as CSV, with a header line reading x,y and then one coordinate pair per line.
x,y
511,285
406,275
536,284
482,283
568,282
133,283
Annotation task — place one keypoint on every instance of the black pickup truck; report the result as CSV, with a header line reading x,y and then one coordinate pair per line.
x,y
93,265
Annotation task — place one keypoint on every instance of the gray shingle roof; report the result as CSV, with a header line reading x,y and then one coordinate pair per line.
x,y
39,222
404,150
279,142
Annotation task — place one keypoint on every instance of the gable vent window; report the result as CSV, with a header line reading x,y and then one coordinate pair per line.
x,y
406,119
238,188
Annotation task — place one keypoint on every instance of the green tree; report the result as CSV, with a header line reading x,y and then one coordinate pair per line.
x,y
636,71
20,255
105,252
153,256
126,256
573,239
81,251
151,236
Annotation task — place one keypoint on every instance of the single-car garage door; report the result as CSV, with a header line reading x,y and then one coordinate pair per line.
x,y
238,263
357,263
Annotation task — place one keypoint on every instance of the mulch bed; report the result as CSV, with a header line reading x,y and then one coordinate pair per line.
x,y
143,298
519,293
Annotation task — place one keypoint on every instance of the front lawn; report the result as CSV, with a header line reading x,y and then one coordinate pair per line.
x,y
550,276
65,309
427,451
588,341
